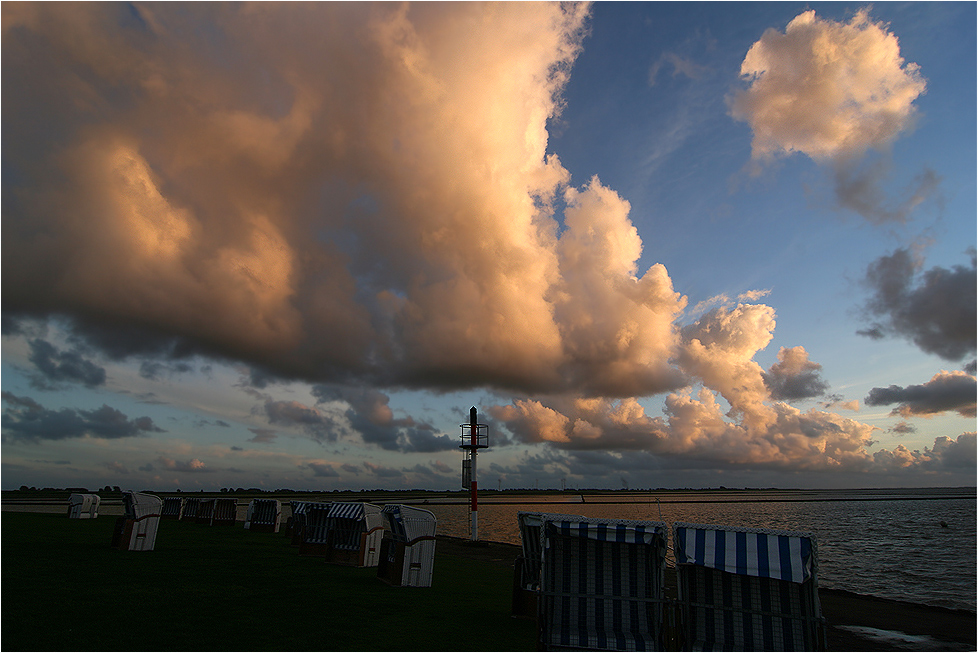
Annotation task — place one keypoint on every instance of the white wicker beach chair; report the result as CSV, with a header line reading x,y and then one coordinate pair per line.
x,y
83,506
264,515
747,589
136,529
407,551
602,584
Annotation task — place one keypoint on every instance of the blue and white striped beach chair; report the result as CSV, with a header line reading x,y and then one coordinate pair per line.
x,y
526,568
748,589
264,515
602,584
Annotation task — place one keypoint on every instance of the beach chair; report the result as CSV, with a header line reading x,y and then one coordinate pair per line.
x,y
172,508
83,506
526,569
354,533
602,584
264,515
205,512
225,512
136,529
299,519
190,507
407,550
747,589
315,529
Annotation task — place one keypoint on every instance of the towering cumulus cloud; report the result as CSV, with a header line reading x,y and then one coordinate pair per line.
x,y
360,195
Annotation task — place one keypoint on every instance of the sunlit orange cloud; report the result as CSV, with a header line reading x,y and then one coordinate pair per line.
x,y
834,91
361,193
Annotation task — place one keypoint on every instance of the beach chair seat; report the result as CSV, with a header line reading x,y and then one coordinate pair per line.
x,y
83,506
407,550
225,512
602,584
136,529
747,589
172,508
264,515
526,568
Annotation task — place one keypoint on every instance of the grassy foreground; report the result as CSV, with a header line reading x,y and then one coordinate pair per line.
x,y
224,588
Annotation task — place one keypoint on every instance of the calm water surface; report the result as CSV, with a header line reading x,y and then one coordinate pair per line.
x,y
892,548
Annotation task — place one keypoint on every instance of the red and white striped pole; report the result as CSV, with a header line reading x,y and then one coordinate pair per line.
x,y
474,490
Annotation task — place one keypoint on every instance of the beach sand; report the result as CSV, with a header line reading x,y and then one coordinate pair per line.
x,y
855,622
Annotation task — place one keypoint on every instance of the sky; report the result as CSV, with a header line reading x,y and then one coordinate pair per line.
x,y
657,245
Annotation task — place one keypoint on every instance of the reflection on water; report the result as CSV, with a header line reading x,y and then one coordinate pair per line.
x,y
889,548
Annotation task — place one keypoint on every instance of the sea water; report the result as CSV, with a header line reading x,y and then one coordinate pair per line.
x,y
884,543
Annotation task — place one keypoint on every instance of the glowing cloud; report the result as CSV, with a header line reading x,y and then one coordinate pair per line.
x,y
829,90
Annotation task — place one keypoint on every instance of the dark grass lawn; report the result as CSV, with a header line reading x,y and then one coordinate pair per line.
x,y
225,588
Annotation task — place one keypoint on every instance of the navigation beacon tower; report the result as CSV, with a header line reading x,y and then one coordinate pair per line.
x,y
475,436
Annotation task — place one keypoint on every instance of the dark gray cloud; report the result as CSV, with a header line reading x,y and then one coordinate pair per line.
x,y
58,367
323,470
860,190
935,309
903,428
947,391
26,418
318,425
371,416
794,376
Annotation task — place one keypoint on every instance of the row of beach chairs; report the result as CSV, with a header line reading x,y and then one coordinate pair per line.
x,y
600,584
397,539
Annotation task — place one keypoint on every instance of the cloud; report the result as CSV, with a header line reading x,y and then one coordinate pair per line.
x,y
829,90
115,466
295,219
192,466
382,471
946,455
263,436
935,309
293,414
62,367
946,391
903,428
324,470
26,418
794,376
834,91
370,416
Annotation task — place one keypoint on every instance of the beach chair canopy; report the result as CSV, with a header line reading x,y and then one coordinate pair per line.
x,y
531,536
348,520
139,506
781,555
745,589
407,523
602,584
